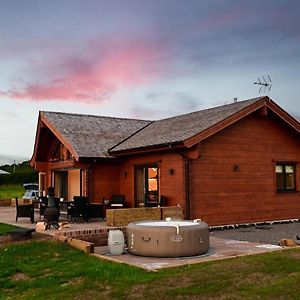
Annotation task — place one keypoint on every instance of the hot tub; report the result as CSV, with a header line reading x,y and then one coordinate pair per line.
x,y
168,238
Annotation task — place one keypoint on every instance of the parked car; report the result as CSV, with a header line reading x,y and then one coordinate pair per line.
x,y
32,191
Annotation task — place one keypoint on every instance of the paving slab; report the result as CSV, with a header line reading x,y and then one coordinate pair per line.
x,y
219,249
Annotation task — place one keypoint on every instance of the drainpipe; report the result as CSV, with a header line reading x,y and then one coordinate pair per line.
x,y
187,187
90,182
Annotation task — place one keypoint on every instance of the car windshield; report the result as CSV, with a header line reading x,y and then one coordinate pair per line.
x,y
31,186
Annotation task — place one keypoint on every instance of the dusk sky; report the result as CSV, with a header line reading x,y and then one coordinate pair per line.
x,y
140,59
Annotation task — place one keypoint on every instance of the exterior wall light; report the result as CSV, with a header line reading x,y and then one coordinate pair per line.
x,y
171,171
236,168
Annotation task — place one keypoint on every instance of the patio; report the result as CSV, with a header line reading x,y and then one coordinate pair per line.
x,y
8,216
220,248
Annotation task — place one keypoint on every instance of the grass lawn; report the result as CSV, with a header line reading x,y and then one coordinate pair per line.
x,y
52,270
4,228
8,191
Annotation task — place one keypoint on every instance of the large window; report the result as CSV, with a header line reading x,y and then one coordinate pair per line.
x,y
285,177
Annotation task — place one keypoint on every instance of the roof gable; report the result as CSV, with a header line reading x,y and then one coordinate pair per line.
x,y
87,135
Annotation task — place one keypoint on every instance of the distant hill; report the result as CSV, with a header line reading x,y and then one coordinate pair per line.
x,y
10,159
18,168
19,174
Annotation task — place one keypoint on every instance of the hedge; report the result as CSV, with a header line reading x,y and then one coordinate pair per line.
x,y
19,177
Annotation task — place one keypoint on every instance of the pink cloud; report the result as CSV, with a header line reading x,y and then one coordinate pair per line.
x,y
60,91
96,75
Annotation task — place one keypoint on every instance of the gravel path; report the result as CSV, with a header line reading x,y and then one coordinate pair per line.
x,y
267,234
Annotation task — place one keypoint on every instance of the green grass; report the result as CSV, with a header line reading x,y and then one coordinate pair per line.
x,y
5,228
8,191
52,270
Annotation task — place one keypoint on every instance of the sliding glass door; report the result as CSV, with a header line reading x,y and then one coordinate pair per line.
x,y
146,185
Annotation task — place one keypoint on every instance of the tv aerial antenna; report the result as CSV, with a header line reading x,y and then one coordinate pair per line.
x,y
265,85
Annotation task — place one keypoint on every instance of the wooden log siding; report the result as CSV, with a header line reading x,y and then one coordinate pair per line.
x,y
170,186
105,178
219,195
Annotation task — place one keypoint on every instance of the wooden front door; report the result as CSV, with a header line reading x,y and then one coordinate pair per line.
x,y
146,185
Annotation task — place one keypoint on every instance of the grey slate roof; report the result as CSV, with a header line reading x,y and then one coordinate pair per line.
x,y
92,136
97,136
178,129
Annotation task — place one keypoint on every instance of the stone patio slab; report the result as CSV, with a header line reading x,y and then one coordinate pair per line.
x,y
219,249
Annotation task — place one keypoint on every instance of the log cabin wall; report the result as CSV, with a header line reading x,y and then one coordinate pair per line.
x,y
234,180
103,181
171,186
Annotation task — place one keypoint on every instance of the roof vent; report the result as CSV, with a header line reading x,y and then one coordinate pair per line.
x,y
235,100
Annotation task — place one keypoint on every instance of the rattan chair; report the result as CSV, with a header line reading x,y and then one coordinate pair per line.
x,y
78,209
117,201
24,211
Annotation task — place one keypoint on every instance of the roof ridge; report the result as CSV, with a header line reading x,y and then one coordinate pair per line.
x,y
150,121
94,116
214,107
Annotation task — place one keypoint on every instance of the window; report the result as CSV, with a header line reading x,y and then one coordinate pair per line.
x,y
285,177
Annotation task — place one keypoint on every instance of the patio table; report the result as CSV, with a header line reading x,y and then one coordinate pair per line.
x,y
36,203
64,205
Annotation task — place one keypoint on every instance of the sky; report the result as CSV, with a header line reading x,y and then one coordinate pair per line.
x,y
140,59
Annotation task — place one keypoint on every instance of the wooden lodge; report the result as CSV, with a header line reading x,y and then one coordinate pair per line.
x,y
231,164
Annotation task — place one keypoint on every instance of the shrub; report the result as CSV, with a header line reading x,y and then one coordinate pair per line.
x,y
19,178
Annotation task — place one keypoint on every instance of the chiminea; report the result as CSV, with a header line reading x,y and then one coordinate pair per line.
x,y
51,213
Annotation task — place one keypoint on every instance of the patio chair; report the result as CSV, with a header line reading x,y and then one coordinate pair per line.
x,y
117,201
24,211
161,202
78,209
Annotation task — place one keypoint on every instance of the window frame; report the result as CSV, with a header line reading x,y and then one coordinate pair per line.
x,y
284,189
